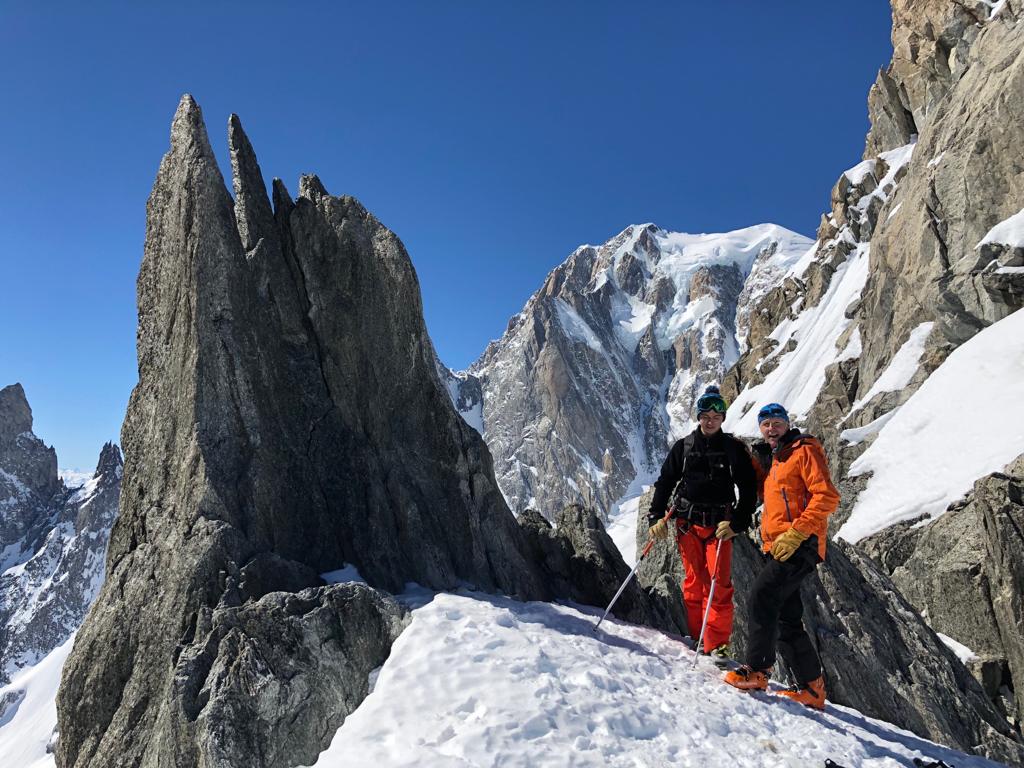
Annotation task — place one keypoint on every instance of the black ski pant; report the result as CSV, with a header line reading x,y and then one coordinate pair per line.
x,y
776,615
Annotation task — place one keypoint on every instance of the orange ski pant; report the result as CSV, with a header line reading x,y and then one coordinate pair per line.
x,y
697,545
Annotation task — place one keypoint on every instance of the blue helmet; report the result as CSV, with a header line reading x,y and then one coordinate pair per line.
x,y
772,411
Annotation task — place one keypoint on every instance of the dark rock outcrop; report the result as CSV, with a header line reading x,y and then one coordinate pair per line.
x,y
583,564
881,658
273,679
288,419
964,572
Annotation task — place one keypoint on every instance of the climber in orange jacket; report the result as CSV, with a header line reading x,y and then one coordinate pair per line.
x,y
798,497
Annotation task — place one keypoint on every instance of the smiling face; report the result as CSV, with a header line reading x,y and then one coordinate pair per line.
x,y
710,422
772,429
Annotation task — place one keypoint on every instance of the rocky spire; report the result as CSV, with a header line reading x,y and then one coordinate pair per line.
x,y
288,420
30,467
110,461
15,413
311,188
252,208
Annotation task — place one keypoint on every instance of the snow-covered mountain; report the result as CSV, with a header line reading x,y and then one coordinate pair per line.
x,y
54,543
581,397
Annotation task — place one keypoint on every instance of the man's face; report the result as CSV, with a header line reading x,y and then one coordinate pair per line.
x,y
773,429
710,422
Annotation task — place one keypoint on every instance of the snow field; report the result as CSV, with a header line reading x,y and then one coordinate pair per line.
x,y
479,680
965,421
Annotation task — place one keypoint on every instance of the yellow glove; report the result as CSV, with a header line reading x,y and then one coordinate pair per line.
x,y
659,530
788,543
724,531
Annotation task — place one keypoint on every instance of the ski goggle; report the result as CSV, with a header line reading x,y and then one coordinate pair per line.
x,y
710,403
772,411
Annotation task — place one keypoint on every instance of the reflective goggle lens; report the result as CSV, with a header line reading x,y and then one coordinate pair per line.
x,y
711,403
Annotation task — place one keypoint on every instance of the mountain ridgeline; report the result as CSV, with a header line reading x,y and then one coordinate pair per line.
x,y
579,398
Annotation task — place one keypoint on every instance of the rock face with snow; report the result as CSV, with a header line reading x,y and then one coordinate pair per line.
x,y
965,573
53,567
592,380
909,302
963,179
902,247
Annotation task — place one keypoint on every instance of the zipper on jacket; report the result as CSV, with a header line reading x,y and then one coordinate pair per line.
x,y
786,500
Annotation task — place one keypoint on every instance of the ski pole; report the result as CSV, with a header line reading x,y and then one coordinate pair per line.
x,y
643,554
707,610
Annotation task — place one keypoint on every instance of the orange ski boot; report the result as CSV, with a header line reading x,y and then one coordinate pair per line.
x,y
747,679
810,694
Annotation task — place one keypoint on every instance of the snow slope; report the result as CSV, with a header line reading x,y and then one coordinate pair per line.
x,y
800,375
28,711
966,421
478,680
806,342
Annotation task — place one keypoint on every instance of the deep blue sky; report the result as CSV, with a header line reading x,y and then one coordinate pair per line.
x,y
491,137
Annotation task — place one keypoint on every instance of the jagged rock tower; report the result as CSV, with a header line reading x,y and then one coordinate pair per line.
x,y
288,419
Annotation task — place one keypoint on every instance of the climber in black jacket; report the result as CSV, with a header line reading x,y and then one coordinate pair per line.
x,y
701,475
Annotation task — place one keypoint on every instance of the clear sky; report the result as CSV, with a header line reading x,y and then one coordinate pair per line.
x,y
493,138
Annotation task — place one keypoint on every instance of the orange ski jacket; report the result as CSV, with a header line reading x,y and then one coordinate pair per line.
x,y
797,491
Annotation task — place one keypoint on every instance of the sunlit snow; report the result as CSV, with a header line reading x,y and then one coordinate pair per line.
x,y
800,374
1009,231
901,368
965,421
28,711
477,680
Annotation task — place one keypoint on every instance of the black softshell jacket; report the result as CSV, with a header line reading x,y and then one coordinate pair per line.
x,y
706,469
